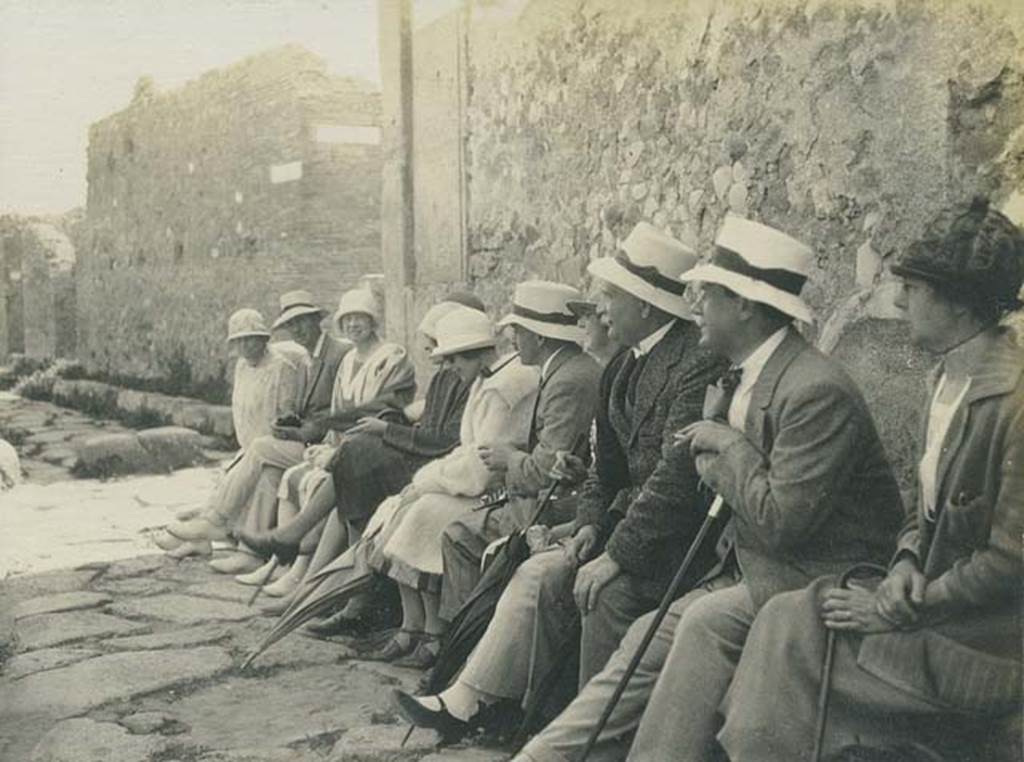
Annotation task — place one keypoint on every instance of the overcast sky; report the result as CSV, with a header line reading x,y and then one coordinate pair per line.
x,y
65,64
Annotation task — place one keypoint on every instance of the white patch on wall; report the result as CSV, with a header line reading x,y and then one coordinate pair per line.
x,y
347,134
191,168
239,198
238,227
286,173
214,252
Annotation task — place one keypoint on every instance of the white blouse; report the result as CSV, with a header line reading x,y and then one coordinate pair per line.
x,y
940,416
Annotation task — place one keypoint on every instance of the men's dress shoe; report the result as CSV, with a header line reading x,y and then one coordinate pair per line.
x,y
424,656
394,648
197,529
236,563
267,545
448,727
337,624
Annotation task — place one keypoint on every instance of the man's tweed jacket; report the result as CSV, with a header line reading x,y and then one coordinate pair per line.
x,y
643,491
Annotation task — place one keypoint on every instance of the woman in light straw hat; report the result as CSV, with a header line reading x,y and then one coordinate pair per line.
x,y
380,458
375,378
409,546
268,384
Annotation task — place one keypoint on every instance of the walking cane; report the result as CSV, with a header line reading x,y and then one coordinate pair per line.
x,y
830,654
717,508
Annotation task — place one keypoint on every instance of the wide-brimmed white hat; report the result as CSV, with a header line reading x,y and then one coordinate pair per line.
x,y
759,263
246,322
648,267
359,300
296,304
542,306
428,325
462,330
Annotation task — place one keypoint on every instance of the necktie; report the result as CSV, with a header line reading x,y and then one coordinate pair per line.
x,y
719,396
635,372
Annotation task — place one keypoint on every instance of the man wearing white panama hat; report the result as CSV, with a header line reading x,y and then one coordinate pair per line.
x,y
793,451
547,337
637,510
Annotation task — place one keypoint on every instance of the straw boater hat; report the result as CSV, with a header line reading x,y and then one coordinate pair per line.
x,y
428,325
463,330
542,307
245,323
358,300
296,304
648,267
759,263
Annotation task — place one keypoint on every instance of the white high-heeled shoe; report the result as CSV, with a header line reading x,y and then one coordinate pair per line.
x,y
259,576
291,580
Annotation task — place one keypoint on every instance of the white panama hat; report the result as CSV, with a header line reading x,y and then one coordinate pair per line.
x,y
428,325
358,300
649,267
246,322
759,263
296,304
542,307
463,330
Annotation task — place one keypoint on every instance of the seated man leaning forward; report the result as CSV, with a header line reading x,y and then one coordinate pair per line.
x,y
547,337
408,546
799,462
934,653
268,384
301,318
638,509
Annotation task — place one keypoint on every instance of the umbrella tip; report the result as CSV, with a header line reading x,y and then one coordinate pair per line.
x,y
408,733
248,660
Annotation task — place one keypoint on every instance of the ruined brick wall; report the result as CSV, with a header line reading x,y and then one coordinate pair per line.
x,y
846,124
250,181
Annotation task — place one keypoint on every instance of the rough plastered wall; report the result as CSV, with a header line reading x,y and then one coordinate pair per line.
x,y
250,181
847,124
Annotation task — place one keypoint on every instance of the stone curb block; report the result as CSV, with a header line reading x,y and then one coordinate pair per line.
x,y
172,447
112,454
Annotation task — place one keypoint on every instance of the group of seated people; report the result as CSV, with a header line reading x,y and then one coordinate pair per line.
x,y
605,439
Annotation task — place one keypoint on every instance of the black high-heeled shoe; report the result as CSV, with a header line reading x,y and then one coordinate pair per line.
x,y
267,545
451,729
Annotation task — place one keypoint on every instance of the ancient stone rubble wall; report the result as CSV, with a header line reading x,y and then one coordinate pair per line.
x,y
37,289
250,181
846,124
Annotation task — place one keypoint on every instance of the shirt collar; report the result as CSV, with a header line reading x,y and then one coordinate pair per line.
x,y
757,359
547,363
647,344
319,348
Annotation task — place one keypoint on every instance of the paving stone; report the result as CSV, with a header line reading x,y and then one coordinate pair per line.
x,y
47,437
59,456
84,740
138,566
183,609
192,636
111,454
80,687
135,587
49,658
145,723
383,743
284,707
262,755
47,583
60,602
467,754
46,630
223,586
172,447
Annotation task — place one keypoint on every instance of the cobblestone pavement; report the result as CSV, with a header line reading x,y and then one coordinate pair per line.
x,y
112,652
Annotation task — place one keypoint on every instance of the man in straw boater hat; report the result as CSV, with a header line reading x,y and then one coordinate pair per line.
x,y
636,512
794,453
546,337
301,318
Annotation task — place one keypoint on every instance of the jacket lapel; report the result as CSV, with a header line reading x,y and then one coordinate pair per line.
x,y
656,372
763,393
998,374
316,369
557,362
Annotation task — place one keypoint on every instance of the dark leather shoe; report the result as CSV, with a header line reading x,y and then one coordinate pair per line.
x,y
337,624
394,648
450,728
267,545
